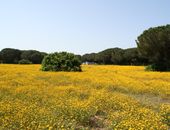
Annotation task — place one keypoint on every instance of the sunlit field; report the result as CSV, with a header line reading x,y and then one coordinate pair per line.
x,y
100,97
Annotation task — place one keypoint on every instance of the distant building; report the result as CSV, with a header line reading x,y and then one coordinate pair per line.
x,y
88,63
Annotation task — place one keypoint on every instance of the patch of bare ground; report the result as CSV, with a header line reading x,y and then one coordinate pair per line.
x,y
151,101
96,122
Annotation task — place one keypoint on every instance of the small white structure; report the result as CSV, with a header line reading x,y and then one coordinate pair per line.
x,y
88,63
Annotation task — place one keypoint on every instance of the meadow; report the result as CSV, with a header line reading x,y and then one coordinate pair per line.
x,y
100,97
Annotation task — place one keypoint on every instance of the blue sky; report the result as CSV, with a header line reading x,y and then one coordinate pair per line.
x,y
78,26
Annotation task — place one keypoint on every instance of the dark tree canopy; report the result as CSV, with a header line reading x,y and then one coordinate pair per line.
x,y
105,56
10,56
132,57
23,61
89,57
62,61
14,56
154,44
79,57
33,56
116,56
1,61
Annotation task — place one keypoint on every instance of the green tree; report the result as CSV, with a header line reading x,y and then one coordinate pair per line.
x,y
132,57
62,61
34,56
104,57
117,56
89,57
23,61
154,43
1,61
79,57
10,56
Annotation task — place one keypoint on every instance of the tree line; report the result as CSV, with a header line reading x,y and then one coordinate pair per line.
x,y
116,56
153,48
15,56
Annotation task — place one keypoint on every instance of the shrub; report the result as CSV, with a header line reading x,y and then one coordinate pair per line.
x,y
157,67
23,61
62,61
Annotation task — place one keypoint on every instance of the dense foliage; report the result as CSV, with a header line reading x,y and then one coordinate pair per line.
x,y
116,56
34,56
14,56
23,61
154,44
62,61
9,55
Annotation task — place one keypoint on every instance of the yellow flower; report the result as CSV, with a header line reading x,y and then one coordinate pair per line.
x,y
110,97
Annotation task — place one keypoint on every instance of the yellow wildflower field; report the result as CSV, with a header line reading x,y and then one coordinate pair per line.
x,y
100,97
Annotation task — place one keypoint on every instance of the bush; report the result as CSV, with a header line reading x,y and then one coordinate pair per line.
x,y
62,61
23,61
157,67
